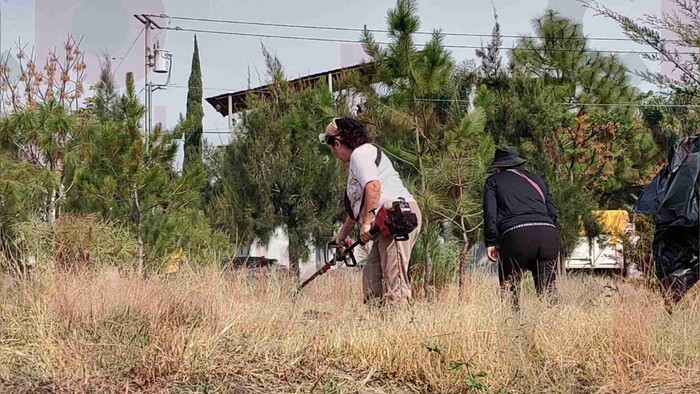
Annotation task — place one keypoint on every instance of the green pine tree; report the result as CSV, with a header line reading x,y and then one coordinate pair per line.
x,y
103,103
48,135
411,112
275,174
125,182
590,154
23,187
457,173
195,113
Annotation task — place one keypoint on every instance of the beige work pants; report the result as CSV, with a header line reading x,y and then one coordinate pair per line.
x,y
385,275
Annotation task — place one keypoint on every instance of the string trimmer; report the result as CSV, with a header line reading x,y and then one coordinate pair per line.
x,y
393,219
344,256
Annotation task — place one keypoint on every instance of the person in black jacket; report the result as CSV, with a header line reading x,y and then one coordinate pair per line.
x,y
520,224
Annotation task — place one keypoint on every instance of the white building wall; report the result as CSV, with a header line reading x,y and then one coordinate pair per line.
x,y
278,249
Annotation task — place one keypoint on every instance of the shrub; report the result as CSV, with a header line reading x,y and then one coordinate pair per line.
x,y
75,242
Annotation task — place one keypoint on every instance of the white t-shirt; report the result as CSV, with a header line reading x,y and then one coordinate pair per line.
x,y
363,170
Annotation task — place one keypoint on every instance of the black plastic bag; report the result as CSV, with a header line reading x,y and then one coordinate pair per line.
x,y
671,199
675,252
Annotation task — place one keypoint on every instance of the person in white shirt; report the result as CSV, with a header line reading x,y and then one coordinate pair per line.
x,y
373,181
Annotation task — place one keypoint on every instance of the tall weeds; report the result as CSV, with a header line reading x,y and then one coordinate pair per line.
x,y
208,332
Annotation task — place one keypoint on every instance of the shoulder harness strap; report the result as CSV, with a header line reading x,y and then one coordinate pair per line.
x,y
348,205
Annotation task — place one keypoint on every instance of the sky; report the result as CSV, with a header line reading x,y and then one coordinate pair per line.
x,y
232,63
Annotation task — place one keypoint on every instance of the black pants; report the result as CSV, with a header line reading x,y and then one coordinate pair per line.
x,y
529,248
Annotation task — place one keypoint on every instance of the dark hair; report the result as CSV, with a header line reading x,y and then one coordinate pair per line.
x,y
352,132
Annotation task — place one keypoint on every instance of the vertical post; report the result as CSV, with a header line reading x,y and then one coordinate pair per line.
x,y
330,83
147,83
230,113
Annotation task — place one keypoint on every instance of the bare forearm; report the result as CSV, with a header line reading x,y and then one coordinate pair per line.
x,y
345,229
373,191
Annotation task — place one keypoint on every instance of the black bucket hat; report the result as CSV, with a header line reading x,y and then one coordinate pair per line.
x,y
506,157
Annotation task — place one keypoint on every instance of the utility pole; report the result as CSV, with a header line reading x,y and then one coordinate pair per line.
x,y
147,82
149,25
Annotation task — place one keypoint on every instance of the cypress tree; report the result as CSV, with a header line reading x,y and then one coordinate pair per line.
x,y
195,113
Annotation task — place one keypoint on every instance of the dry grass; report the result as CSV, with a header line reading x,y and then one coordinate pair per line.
x,y
200,332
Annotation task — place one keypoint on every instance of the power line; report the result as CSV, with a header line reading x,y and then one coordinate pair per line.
x,y
631,105
129,51
575,104
177,86
436,100
357,30
338,40
322,39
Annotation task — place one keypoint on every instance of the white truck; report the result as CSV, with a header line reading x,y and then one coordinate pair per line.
x,y
605,252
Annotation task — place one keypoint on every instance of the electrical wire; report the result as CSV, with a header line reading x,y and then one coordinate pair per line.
x,y
129,51
575,104
357,30
338,40
177,86
662,105
631,105
436,100
334,40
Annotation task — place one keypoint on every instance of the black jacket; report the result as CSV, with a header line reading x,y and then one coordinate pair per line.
x,y
510,200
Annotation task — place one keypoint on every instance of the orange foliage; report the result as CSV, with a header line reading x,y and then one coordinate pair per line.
x,y
583,152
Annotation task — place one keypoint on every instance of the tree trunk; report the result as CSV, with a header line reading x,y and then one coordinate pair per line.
x,y
463,257
465,247
51,207
139,248
428,259
61,197
61,189
427,284
296,246
139,232
50,200
294,258
562,263
55,196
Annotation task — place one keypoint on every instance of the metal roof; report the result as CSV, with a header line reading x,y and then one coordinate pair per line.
x,y
220,102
